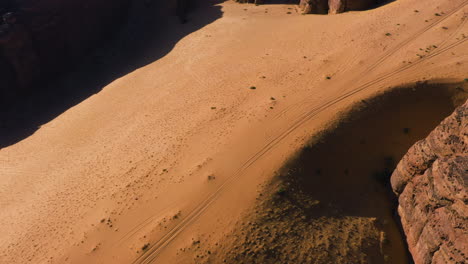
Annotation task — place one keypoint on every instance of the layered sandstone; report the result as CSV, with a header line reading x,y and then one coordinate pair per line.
x,y
431,182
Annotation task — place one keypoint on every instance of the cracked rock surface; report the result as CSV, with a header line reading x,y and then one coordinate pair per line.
x,y
430,182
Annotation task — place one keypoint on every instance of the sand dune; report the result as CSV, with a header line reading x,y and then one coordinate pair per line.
x,y
173,154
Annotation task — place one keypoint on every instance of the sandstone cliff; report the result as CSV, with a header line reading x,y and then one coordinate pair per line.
x,y
430,182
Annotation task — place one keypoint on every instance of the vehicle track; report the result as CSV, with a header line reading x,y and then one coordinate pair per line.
x,y
153,251
414,36
396,48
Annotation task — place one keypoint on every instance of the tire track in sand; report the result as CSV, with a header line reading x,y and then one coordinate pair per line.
x,y
153,251
396,48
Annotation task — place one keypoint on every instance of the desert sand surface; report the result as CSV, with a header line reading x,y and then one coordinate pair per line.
x,y
167,162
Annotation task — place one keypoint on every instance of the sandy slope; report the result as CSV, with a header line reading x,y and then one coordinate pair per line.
x,y
130,165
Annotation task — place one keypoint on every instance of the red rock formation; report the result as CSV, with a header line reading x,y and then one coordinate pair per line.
x,y
431,182
314,6
334,6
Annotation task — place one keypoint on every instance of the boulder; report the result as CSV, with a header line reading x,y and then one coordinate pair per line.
x,y
430,182
335,6
314,6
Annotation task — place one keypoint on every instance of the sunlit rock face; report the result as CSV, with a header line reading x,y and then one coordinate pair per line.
x,y
430,182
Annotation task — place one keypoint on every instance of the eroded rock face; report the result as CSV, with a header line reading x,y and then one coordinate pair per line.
x,y
314,6
431,182
335,6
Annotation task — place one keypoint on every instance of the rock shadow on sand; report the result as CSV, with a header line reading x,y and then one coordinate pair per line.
x,y
345,171
332,202
147,36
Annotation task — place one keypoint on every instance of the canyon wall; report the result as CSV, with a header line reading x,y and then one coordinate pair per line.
x,y
430,182
42,37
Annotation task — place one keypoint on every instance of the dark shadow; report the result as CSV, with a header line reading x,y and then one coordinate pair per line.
x,y
146,37
379,4
349,165
281,2
347,168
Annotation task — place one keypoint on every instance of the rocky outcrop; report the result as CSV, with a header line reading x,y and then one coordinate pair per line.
x,y
41,37
314,6
430,182
334,6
